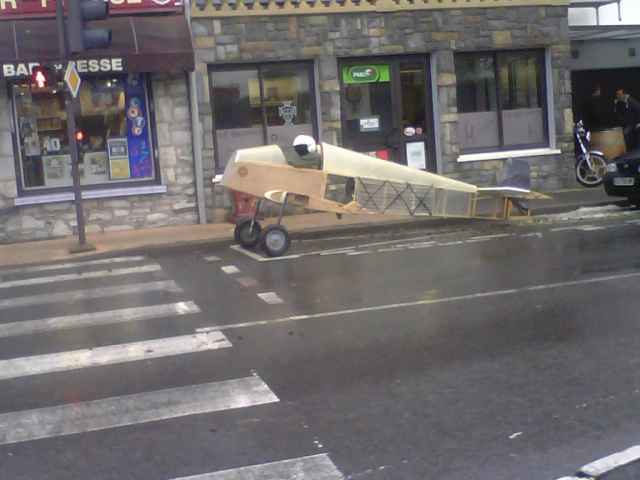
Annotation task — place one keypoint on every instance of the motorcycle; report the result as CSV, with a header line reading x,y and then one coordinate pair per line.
x,y
591,165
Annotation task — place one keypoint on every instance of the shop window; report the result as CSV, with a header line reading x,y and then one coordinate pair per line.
x,y
500,100
259,105
113,119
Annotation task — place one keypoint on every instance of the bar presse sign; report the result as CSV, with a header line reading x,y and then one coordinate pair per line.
x,y
18,71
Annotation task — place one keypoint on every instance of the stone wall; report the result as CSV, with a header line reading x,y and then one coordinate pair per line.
x,y
441,33
177,206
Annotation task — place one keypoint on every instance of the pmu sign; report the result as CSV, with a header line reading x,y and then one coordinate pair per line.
x,y
15,9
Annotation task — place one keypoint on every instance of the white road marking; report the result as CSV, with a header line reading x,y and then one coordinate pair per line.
x,y
532,235
230,269
449,244
333,251
606,464
94,319
271,298
415,246
247,282
80,276
581,228
391,242
314,467
134,409
390,249
491,237
435,301
564,229
477,240
212,258
90,294
515,435
363,252
337,251
64,266
248,253
111,354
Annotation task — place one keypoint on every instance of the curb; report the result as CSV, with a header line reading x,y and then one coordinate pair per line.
x,y
309,233
572,206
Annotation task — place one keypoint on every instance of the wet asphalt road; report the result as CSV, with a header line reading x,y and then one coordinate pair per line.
x,y
485,353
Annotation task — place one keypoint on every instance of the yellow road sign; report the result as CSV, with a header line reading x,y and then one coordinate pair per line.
x,y
72,79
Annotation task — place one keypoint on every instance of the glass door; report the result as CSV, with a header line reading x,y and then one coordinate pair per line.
x,y
260,105
413,142
367,108
386,110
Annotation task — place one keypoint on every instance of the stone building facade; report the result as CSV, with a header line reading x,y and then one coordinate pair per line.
x,y
327,34
171,202
134,128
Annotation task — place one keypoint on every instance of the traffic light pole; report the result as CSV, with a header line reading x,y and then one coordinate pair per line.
x,y
71,105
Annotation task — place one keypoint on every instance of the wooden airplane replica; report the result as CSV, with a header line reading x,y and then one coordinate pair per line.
x,y
333,179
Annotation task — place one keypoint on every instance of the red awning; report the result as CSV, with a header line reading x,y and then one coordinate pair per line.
x,y
147,43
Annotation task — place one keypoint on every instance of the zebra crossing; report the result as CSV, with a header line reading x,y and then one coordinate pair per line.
x,y
76,290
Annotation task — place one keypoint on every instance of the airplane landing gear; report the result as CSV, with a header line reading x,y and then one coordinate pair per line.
x,y
275,240
247,232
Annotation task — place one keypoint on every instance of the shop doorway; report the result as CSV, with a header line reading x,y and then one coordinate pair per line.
x,y
583,83
255,105
387,111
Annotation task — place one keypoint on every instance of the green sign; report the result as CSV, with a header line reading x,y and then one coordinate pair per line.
x,y
365,74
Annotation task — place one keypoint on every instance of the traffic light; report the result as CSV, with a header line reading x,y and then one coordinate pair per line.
x,y
79,136
40,78
80,37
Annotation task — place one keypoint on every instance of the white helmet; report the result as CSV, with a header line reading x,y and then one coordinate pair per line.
x,y
305,144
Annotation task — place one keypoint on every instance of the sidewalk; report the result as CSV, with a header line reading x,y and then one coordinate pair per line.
x,y
308,225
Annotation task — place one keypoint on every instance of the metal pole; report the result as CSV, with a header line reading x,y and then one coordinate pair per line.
x,y
71,103
196,136
71,107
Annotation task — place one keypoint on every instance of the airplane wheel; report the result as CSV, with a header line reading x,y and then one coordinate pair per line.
x,y
275,240
247,236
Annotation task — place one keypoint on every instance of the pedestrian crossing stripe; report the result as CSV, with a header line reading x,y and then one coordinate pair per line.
x,y
95,319
139,408
314,467
111,354
168,286
69,265
80,276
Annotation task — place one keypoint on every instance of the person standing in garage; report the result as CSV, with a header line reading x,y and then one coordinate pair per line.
x,y
597,111
627,111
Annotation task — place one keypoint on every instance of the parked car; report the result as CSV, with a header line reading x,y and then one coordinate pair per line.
x,y
623,177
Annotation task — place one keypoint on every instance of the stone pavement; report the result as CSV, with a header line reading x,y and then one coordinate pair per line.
x,y
313,224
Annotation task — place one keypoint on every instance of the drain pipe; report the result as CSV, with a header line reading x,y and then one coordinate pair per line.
x,y
196,134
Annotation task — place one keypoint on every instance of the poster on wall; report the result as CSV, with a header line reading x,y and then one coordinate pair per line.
x,y
370,124
30,138
118,153
140,160
57,170
416,155
95,167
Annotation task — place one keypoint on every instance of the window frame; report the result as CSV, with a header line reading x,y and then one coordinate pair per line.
x,y
121,184
542,98
258,66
